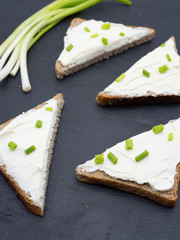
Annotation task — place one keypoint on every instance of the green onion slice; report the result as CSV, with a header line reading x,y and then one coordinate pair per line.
x,y
129,144
87,29
142,156
158,129
146,73
49,109
163,69
162,45
94,35
12,145
99,158
122,34
69,47
170,136
38,124
112,157
105,26
168,57
105,41
121,77
30,150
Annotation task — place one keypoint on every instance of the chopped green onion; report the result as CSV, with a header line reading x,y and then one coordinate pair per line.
x,y
129,144
163,44
69,47
49,109
121,77
99,158
87,29
38,124
168,57
142,156
94,35
112,157
105,41
158,129
163,69
170,136
30,150
105,26
122,34
146,73
12,145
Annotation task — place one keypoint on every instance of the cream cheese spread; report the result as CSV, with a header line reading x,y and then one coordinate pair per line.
x,y
29,171
158,169
86,48
135,84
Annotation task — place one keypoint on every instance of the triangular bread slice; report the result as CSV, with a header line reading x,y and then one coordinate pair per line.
x,y
86,43
28,173
135,87
155,177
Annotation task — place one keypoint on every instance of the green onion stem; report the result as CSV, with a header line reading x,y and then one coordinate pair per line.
x,y
23,55
33,41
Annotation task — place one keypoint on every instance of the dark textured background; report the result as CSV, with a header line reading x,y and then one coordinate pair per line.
x,y
86,129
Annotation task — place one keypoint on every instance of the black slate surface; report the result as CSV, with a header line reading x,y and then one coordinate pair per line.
x,y
86,129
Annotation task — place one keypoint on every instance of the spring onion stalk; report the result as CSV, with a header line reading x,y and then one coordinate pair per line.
x,y
13,51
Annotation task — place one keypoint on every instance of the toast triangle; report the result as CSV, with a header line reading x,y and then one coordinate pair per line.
x,y
28,173
87,48
155,177
137,88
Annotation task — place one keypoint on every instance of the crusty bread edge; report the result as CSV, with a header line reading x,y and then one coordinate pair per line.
x,y
30,205
105,99
62,71
167,198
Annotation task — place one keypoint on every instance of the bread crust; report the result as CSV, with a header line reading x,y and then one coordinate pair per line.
x,y
167,198
104,99
62,71
30,205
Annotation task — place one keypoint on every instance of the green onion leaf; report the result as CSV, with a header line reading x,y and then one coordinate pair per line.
x,y
146,73
163,69
12,145
168,57
122,34
99,158
87,29
69,47
30,150
127,2
129,144
163,44
49,109
94,35
142,156
105,41
38,124
112,157
105,26
121,77
158,129
170,136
